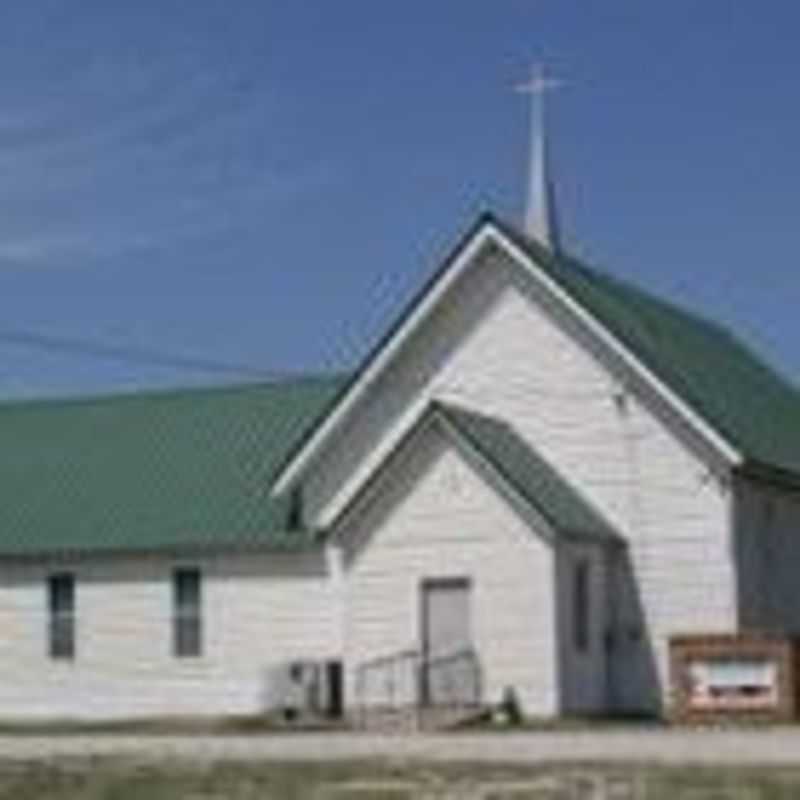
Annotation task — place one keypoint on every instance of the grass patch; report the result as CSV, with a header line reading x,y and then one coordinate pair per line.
x,y
127,779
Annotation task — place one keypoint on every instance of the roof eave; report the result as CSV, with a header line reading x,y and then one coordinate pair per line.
x,y
514,244
416,310
769,473
166,550
487,229
555,530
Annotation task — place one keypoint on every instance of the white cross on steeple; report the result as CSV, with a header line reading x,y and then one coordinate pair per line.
x,y
541,218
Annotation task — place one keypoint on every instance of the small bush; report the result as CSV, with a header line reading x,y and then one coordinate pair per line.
x,y
509,709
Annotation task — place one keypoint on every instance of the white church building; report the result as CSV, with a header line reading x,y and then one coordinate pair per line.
x,y
538,476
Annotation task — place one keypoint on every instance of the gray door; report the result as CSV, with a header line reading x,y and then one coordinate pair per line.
x,y
448,668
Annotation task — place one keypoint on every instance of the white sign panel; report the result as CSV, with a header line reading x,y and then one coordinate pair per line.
x,y
738,681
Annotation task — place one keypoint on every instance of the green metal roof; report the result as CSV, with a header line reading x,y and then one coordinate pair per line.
x,y
194,467
741,397
531,477
189,468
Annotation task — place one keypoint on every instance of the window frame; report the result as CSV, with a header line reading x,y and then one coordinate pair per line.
x,y
61,616
581,605
187,614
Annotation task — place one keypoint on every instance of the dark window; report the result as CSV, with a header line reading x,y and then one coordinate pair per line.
x,y
580,606
187,617
295,521
61,608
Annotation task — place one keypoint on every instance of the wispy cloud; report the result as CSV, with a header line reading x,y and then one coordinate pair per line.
x,y
123,149
198,213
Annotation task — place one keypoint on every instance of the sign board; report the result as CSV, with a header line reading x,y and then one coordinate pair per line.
x,y
732,682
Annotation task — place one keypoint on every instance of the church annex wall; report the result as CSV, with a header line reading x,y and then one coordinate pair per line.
x,y
259,610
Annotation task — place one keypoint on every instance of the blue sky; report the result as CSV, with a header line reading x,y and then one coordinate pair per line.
x,y
266,183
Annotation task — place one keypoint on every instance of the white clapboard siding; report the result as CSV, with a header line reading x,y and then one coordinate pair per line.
x,y
500,346
258,610
767,535
433,516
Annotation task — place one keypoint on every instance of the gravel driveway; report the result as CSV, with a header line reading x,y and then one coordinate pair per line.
x,y
743,747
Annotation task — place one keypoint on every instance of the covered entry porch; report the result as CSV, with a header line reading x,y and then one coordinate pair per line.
x,y
460,590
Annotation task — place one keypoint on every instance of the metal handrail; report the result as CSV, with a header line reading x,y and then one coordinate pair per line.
x,y
399,655
453,655
434,671
403,679
410,654
387,667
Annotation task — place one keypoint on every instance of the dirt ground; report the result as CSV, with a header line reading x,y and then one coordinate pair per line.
x,y
130,779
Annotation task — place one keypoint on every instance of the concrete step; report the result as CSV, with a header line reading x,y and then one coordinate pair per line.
x,y
385,719
408,719
442,718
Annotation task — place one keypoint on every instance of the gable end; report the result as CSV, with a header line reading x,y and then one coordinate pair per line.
x,y
490,233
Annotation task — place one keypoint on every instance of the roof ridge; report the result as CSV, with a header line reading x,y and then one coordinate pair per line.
x,y
594,272
64,401
565,260
694,316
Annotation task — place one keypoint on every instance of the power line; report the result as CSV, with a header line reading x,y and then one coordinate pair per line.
x,y
126,353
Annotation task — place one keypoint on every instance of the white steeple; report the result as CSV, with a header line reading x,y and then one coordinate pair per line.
x,y
541,217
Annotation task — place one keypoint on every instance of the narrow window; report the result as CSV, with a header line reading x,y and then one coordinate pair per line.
x,y
61,607
187,618
580,606
295,521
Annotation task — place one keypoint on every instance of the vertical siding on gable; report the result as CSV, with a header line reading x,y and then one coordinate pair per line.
x,y
258,610
433,516
501,346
